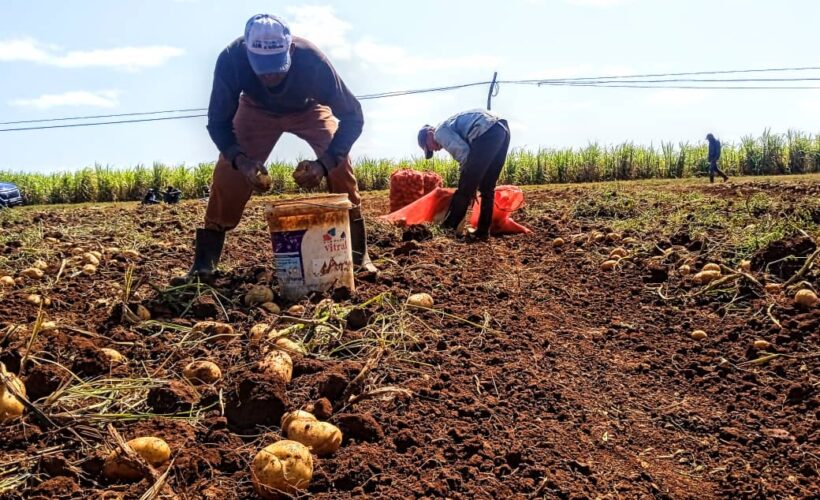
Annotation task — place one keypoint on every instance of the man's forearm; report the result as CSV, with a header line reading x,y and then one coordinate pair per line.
x,y
346,135
225,140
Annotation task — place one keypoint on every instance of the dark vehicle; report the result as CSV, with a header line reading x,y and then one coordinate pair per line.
x,y
9,195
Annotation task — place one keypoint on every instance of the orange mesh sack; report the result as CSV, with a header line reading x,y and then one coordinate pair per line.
x,y
432,181
508,199
431,207
406,186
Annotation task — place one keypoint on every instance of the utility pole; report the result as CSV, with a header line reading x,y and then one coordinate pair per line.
x,y
493,89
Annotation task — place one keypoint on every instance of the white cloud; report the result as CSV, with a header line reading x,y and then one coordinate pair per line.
x,y
321,25
99,99
396,60
128,58
676,97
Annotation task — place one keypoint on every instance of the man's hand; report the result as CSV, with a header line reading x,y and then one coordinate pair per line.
x,y
308,174
255,173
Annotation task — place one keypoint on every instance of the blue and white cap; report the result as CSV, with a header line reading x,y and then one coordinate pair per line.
x,y
268,41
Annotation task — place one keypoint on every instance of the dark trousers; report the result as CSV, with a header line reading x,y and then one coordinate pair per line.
x,y
713,169
488,152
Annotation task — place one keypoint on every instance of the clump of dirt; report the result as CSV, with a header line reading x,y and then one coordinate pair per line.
x,y
332,385
257,399
780,257
172,397
58,487
360,427
89,361
43,380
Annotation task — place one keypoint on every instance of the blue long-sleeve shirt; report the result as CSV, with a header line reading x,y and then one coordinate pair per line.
x,y
714,150
455,134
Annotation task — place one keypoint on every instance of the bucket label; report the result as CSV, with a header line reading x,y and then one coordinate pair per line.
x,y
287,249
335,260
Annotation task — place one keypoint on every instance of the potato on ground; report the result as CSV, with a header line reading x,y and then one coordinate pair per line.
x,y
113,355
292,416
277,364
289,346
91,258
285,467
609,265
711,267
698,335
258,294
214,331
297,310
322,438
259,331
7,281
10,405
33,273
153,450
618,253
202,372
806,298
705,277
424,300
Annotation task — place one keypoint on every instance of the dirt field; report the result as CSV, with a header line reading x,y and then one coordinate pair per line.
x,y
537,375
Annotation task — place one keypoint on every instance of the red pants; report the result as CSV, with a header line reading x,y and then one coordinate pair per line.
x,y
257,132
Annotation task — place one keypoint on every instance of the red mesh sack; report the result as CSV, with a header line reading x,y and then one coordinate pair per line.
x,y
508,199
432,181
406,186
432,207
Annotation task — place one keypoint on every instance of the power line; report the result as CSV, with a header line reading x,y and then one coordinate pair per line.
x,y
639,81
92,124
91,117
658,75
691,87
396,93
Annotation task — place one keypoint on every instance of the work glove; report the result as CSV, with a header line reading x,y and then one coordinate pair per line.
x,y
308,174
255,173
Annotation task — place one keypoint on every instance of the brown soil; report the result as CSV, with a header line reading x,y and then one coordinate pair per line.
x,y
580,384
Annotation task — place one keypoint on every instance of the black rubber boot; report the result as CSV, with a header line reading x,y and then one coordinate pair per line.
x,y
208,250
358,243
457,211
485,216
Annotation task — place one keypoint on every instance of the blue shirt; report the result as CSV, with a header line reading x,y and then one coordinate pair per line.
x,y
456,133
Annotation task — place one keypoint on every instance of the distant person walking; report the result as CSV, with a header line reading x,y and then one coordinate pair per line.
x,y
714,157
479,142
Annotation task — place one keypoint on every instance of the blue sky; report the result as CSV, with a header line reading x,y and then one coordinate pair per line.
x,y
60,58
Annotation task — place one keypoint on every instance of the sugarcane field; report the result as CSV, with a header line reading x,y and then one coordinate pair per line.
x,y
369,270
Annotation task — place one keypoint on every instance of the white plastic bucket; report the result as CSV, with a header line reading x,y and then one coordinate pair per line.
x,y
311,244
